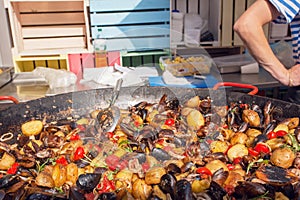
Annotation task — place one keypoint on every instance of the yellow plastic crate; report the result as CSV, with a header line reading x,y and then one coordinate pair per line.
x,y
29,63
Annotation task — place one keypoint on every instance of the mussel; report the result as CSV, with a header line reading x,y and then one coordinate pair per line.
x,y
167,184
183,190
107,196
87,182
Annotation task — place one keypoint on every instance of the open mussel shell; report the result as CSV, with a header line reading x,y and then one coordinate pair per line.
x,y
38,193
248,190
8,180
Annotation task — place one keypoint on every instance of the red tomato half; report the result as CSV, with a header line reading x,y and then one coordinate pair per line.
x,y
170,122
203,170
237,160
13,169
79,153
281,133
272,135
253,152
262,148
62,160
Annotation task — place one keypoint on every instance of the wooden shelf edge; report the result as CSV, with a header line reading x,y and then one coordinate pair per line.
x,y
44,0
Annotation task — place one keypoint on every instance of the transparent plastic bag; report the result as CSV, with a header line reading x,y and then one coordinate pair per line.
x,y
284,52
56,78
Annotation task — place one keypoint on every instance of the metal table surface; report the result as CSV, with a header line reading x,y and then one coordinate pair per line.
x,y
39,89
262,80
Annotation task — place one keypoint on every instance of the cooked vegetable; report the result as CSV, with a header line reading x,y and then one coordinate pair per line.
x,y
283,157
33,127
236,151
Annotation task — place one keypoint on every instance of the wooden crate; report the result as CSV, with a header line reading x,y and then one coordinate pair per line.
x,y
231,11
29,63
131,24
209,10
78,61
48,27
221,15
147,58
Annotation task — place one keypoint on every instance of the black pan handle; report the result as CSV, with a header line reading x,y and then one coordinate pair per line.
x,y
239,85
9,98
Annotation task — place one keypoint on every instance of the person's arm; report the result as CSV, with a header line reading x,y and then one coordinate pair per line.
x,y
249,28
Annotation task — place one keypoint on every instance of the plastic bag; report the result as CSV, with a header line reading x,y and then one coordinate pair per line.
x,y
56,78
284,52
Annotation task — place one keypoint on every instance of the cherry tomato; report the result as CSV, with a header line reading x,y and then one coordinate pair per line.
x,y
237,160
262,148
281,133
170,122
79,153
253,152
106,185
203,170
272,135
230,166
13,169
75,137
62,160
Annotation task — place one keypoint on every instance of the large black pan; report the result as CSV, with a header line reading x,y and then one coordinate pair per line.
x,y
81,103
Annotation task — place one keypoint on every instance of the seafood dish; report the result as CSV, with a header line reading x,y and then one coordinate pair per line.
x,y
161,149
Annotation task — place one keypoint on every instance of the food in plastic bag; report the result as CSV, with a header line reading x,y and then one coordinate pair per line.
x,y
56,78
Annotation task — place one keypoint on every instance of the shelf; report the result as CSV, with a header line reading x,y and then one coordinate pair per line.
x,y
43,0
50,52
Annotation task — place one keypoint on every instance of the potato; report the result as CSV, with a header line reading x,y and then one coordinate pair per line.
x,y
193,102
283,157
44,179
59,175
200,185
140,190
215,165
7,161
238,150
122,178
251,117
281,127
239,138
33,127
219,146
72,173
154,174
291,122
186,110
195,120
157,192
233,179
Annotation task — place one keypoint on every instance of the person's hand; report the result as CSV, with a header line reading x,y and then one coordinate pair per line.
x,y
294,75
